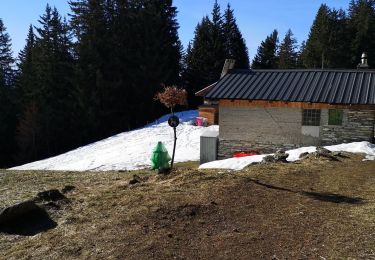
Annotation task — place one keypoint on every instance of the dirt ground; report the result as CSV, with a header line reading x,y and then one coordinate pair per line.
x,y
311,209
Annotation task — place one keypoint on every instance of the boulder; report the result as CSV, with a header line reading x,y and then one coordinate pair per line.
x,y
322,150
279,156
17,210
304,155
268,159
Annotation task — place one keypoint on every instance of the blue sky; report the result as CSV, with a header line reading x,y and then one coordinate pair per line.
x,y
255,18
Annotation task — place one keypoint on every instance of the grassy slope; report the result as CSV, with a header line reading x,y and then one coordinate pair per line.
x,y
282,210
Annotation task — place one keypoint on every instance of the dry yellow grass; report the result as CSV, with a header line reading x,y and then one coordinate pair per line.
x,y
303,210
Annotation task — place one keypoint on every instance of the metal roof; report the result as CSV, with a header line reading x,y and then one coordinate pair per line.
x,y
317,86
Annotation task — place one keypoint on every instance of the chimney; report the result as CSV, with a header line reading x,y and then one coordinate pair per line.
x,y
228,65
363,64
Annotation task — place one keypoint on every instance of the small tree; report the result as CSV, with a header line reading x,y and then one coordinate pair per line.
x,y
171,97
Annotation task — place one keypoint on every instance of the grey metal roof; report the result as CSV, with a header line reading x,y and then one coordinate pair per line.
x,y
318,86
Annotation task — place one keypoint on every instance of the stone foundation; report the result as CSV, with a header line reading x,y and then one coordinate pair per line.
x,y
228,147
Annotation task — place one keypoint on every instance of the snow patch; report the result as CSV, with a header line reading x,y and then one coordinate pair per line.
x,y
242,162
130,150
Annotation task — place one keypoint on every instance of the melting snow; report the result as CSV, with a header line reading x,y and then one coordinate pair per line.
x,y
130,150
240,163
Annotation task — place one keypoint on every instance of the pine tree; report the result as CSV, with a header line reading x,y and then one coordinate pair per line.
x,y
46,70
7,106
26,81
199,71
318,40
328,42
235,45
266,57
338,55
362,30
217,39
214,41
126,51
6,58
300,53
287,55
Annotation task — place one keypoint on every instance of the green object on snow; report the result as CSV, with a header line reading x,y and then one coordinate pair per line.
x,y
160,157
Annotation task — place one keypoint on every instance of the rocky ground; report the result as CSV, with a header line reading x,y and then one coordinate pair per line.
x,y
316,208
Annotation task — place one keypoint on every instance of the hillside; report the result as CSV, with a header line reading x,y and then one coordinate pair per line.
x,y
309,209
129,150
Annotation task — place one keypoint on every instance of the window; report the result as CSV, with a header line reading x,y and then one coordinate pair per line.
x,y
335,117
311,117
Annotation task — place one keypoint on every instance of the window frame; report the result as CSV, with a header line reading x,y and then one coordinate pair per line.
x,y
311,117
335,119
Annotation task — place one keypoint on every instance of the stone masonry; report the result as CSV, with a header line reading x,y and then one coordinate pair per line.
x,y
269,129
357,125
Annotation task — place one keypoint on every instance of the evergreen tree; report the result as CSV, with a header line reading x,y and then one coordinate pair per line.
x,y
338,55
328,42
50,106
126,51
199,71
318,41
362,30
26,91
6,59
287,55
301,51
214,41
235,45
7,106
217,40
266,57
26,81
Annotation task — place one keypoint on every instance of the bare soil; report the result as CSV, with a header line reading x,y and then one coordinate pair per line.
x,y
311,209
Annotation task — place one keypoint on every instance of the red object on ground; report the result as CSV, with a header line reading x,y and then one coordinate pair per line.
x,y
243,154
199,121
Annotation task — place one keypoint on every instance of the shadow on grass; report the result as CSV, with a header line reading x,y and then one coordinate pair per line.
x,y
273,187
322,196
29,223
332,197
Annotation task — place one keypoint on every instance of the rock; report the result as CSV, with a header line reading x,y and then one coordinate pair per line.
x,y
67,188
136,179
50,195
268,159
280,156
25,218
304,155
17,210
322,150
338,154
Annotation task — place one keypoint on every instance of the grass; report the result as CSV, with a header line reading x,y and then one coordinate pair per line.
x,y
310,209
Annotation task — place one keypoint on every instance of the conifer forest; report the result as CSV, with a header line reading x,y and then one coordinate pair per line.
x,y
95,73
